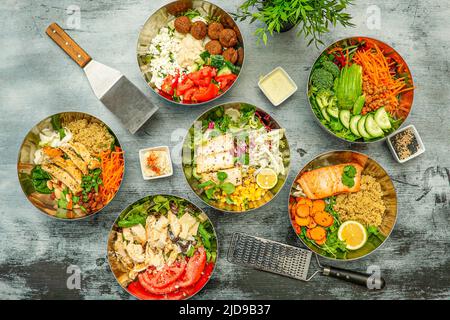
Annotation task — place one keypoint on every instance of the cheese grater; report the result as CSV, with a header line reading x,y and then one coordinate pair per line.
x,y
289,261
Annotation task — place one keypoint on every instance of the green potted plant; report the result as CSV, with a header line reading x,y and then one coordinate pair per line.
x,y
312,18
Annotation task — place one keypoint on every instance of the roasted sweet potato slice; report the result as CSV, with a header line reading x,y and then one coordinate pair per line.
x,y
323,219
303,222
302,210
318,205
321,242
312,224
318,233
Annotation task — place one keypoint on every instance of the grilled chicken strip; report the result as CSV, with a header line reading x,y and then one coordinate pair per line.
x,y
217,144
62,176
234,176
69,166
214,162
75,158
327,181
81,150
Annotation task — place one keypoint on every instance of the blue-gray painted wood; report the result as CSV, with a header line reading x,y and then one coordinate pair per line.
x,y
38,79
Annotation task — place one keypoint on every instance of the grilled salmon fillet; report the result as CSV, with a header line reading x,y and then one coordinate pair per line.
x,y
327,181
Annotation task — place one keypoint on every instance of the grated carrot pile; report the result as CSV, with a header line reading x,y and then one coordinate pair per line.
x,y
112,165
380,86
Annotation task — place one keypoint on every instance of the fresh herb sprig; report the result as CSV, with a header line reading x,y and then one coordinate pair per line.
x,y
312,17
211,187
348,176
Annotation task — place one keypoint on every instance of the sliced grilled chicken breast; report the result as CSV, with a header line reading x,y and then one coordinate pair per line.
x,y
234,176
83,152
217,144
214,162
327,181
62,176
75,158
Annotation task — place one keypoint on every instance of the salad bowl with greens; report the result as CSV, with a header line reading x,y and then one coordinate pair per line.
x,y
162,247
236,157
360,90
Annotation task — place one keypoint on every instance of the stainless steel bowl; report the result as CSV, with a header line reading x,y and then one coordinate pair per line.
x,y
25,164
117,272
162,16
409,96
370,167
187,156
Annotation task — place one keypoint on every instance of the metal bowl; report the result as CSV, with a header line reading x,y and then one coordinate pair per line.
x,y
187,158
407,97
114,266
25,164
372,168
162,16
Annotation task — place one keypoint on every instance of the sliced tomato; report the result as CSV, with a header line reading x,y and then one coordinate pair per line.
x,y
194,269
205,94
167,86
146,280
136,289
168,275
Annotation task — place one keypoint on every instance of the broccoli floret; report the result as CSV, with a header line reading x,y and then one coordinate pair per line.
x,y
322,79
325,98
331,68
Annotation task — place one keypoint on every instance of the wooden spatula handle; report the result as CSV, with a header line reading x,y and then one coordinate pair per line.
x,y
65,42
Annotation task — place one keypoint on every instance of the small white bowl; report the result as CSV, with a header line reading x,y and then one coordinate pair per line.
x,y
419,141
277,103
142,161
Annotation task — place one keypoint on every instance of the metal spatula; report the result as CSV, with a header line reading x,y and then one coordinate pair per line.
x,y
113,89
279,258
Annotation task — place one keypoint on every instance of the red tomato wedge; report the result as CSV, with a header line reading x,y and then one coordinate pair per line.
x,y
205,94
194,269
136,289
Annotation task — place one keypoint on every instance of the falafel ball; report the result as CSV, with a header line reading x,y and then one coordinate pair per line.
x,y
228,38
214,47
199,30
230,55
214,30
183,24
240,52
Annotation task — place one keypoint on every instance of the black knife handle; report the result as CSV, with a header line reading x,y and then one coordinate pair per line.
x,y
369,281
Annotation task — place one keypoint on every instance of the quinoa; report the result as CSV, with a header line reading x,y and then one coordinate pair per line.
x,y
94,136
365,206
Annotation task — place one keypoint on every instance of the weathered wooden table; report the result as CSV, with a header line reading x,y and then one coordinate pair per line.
x,y
37,80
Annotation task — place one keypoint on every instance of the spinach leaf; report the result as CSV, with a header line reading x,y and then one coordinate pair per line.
x,y
227,187
39,179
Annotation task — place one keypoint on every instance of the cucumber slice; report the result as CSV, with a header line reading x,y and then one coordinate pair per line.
x,y
344,116
333,111
372,127
325,114
361,128
382,119
354,125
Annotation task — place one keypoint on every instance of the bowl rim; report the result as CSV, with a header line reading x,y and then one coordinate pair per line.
x,y
287,171
328,130
180,103
396,204
88,215
154,195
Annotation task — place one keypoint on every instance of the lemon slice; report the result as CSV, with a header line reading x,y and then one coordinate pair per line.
x,y
353,233
267,178
234,114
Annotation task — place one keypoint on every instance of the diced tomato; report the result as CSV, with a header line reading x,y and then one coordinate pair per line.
x,y
168,85
205,94
168,275
225,81
187,96
185,84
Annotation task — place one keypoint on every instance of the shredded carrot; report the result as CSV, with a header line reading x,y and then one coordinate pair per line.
x,y
112,165
380,84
